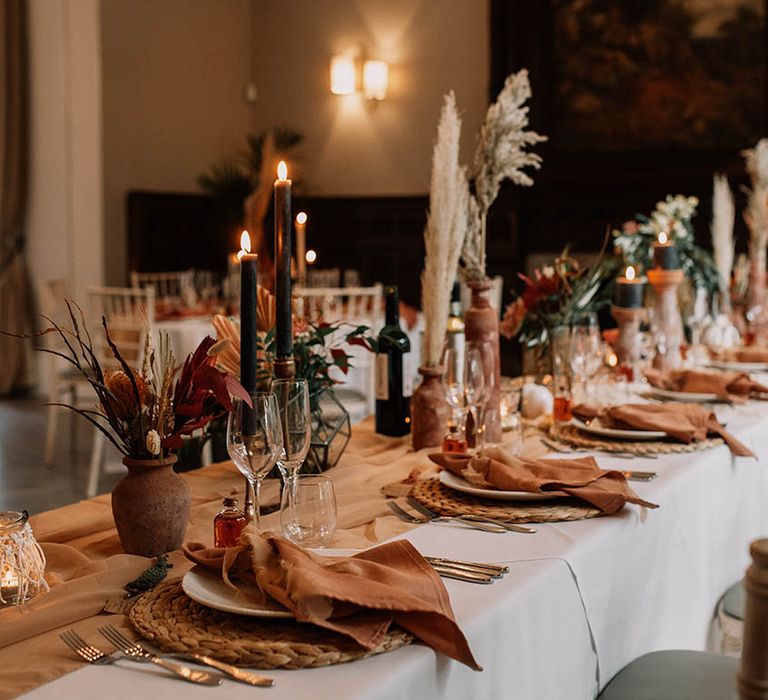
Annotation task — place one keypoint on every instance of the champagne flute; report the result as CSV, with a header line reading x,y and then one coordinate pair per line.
x,y
293,405
255,440
453,389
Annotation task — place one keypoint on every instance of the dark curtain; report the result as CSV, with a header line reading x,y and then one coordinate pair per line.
x,y
14,291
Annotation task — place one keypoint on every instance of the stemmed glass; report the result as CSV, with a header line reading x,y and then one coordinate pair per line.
x,y
255,440
586,348
453,385
479,382
293,404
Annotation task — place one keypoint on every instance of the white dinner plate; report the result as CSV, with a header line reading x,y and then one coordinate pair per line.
x,y
595,428
452,481
740,366
207,588
689,396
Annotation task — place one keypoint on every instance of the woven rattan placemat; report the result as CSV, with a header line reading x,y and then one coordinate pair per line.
x,y
571,435
444,501
172,621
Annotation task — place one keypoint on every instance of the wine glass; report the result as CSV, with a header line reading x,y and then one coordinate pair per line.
x,y
477,386
255,440
453,386
293,405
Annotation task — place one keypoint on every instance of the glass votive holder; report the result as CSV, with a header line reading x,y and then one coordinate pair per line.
x,y
22,562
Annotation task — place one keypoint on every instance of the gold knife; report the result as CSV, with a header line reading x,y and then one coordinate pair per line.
x,y
232,671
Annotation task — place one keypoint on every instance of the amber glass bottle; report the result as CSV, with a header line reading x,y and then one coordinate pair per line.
x,y
228,524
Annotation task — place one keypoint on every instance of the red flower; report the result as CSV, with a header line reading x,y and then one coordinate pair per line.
x,y
202,392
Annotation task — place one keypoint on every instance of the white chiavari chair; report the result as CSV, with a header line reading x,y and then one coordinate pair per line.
x,y
63,383
169,287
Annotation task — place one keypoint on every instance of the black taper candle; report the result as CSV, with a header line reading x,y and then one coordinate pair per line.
x,y
248,282
283,329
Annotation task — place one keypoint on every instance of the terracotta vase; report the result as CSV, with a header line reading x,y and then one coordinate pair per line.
x,y
481,324
150,506
428,410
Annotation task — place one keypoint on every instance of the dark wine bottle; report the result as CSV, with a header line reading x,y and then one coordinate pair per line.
x,y
394,376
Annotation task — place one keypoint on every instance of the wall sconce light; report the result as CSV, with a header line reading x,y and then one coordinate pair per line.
x,y
343,78
375,79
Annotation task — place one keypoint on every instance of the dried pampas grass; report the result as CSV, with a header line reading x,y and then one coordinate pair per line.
x,y
756,213
723,213
445,230
501,154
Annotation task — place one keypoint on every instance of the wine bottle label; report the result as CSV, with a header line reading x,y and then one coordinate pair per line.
x,y
382,377
407,374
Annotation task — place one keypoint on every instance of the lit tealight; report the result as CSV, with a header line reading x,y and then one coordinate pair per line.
x,y
663,238
311,256
630,273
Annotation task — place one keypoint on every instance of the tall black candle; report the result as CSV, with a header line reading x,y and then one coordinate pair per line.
x,y
283,330
248,282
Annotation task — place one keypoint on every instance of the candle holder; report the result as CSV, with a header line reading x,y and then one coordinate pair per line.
x,y
22,562
628,343
285,368
668,319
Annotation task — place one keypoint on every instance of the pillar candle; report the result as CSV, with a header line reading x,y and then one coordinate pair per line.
x,y
665,254
248,282
629,290
301,247
283,330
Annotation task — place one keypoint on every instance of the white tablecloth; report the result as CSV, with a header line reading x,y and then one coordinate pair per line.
x,y
582,599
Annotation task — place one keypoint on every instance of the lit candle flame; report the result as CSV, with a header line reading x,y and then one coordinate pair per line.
x,y
245,245
630,273
663,237
311,256
301,217
282,171
613,360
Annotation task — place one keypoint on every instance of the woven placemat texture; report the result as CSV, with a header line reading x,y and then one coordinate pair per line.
x,y
172,621
571,435
444,501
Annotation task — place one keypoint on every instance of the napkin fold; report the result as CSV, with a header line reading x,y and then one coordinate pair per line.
x,y
685,422
735,387
359,597
493,467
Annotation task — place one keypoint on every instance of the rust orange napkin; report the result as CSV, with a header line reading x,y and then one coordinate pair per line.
x,y
359,596
750,353
736,387
685,422
495,468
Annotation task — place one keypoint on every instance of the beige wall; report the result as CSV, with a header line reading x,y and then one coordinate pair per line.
x,y
173,75
146,94
432,46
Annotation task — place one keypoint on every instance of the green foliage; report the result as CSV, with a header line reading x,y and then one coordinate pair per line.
x,y
634,242
233,178
316,349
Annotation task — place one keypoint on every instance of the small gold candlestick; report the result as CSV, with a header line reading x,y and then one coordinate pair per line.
x,y
668,319
628,345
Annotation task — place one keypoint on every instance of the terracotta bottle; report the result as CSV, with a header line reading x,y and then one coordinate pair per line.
x,y
428,410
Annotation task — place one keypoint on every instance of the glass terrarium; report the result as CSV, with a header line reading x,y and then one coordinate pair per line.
x,y
331,430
